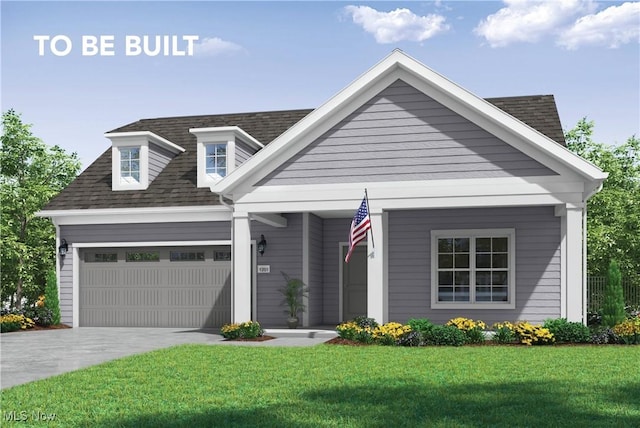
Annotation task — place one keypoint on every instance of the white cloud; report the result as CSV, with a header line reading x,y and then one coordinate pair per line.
x,y
611,27
212,46
397,25
529,20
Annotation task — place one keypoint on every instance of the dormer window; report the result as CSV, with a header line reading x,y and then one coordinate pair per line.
x,y
138,158
216,160
130,165
220,150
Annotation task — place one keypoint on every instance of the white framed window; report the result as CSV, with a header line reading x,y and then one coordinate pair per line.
x,y
473,269
130,165
130,158
216,160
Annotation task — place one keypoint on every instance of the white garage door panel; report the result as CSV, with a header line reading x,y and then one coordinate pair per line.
x,y
155,294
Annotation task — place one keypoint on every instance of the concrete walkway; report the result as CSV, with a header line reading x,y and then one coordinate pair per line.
x,y
34,355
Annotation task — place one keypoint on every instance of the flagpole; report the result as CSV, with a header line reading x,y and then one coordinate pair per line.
x,y
366,197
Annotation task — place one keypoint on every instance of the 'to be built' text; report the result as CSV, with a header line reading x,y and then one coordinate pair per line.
x,y
105,45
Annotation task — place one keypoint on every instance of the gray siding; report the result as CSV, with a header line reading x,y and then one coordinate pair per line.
x,y
402,134
243,152
159,157
187,231
537,262
316,270
66,289
335,231
283,254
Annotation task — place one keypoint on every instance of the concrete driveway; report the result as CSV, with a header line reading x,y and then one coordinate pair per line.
x,y
34,355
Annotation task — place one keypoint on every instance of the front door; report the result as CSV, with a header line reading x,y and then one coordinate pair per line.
x,y
354,283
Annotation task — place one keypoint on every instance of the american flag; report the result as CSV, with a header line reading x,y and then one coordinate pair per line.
x,y
359,226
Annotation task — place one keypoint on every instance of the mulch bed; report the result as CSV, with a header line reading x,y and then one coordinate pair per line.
x,y
39,327
347,342
257,339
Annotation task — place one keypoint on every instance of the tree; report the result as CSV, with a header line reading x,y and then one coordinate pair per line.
x,y
613,214
32,173
613,307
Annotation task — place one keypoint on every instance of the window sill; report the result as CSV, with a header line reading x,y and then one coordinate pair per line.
x,y
479,306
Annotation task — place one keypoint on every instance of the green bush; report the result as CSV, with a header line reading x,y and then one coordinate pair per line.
x,y
445,335
613,307
364,322
474,330
51,300
568,332
245,330
422,326
41,315
503,332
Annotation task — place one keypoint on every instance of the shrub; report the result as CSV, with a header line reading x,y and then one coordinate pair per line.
x,y
504,332
474,330
411,338
389,333
422,326
13,322
352,331
245,330
41,315
569,332
529,334
603,335
445,335
594,318
51,300
364,322
613,306
628,331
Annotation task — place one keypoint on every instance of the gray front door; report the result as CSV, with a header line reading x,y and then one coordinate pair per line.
x,y
354,283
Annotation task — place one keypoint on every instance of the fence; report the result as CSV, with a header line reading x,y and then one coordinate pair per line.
x,y
596,286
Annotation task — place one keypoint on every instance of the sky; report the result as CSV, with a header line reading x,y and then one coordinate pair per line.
x,y
235,57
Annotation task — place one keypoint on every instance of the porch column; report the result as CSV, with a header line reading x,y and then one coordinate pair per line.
x,y
377,267
241,273
573,235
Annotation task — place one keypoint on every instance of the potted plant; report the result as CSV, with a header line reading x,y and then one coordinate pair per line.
x,y
293,292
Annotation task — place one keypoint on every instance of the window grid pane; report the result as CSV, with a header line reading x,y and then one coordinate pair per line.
x,y
216,159
492,269
453,270
130,163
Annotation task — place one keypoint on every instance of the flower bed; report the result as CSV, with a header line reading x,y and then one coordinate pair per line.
x,y
461,331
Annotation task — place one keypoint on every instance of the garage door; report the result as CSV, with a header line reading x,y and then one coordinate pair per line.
x,y
155,287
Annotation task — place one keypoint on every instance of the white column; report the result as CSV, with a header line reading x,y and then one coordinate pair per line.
x,y
377,276
306,249
241,274
573,246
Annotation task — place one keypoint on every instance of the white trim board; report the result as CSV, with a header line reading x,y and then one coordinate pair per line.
x,y
138,215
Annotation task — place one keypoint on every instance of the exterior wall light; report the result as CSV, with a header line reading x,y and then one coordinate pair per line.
x,y
63,248
262,245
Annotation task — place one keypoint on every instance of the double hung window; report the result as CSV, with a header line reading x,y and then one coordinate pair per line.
x,y
473,268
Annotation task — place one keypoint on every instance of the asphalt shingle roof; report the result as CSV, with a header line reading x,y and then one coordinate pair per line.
x,y
176,184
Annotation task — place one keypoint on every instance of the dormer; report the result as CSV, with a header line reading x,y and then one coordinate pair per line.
x,y
221,150
138,157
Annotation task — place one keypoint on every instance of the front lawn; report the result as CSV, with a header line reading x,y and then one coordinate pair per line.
x,y
336,386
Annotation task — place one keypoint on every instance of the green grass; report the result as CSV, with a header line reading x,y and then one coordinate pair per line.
x,y
335,386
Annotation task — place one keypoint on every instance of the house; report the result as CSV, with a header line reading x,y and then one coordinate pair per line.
x,y
477,210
